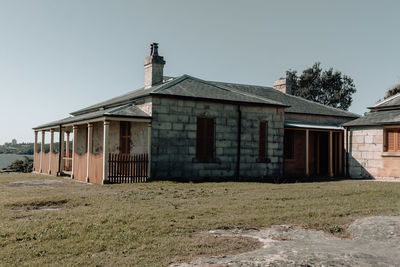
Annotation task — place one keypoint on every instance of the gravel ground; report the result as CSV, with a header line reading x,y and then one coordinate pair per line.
x,y
375,242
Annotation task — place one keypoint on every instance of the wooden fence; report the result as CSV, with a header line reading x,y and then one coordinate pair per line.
x,y
127,168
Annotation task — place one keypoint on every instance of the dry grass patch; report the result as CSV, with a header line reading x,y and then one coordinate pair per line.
x,y
156,224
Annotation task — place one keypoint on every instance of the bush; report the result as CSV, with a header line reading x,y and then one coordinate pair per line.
x,y
25,165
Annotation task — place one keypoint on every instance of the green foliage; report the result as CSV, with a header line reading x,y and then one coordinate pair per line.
x,y
25,165
329,87
393,91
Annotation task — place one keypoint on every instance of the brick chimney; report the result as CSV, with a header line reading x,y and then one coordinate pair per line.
x,y
283,86
153,67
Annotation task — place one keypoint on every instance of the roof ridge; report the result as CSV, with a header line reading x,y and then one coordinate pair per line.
x,y
297,97
329,107
171,83
118,108
235,91
386,100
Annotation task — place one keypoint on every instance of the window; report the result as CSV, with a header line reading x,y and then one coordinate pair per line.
x,y
125,137
205,138
262,140
289,144
393,140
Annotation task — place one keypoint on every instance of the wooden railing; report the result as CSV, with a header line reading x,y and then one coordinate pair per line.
x,y
127,168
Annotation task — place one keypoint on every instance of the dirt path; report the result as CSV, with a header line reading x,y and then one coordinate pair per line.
x,y
375,242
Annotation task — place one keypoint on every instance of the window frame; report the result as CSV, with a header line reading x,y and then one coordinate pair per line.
x,y
286,154
396,139
125,137
263,141
205,143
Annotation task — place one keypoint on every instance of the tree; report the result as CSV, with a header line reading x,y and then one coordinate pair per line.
x,y
329,87
393,91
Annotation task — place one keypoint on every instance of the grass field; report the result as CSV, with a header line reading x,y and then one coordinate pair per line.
x,y
62,222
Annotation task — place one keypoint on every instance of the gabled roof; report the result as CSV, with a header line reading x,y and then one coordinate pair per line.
x,y
392,102
129,110
183,86
188,86
384,117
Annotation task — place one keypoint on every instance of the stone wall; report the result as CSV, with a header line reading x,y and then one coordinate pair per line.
x,y
81,139
98,134
139,140
173,144
367,158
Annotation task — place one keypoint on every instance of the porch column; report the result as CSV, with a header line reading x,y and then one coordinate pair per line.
x,y
51,148
61,150
89,149
74,133
67,149
67,145
105,152
341,145
307,152
42,151
35,146
149,149
330,154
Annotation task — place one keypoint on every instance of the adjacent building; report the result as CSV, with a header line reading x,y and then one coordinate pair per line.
x,y
374,141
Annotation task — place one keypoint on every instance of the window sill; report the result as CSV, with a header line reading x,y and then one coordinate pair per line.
x,y
391,154
210,160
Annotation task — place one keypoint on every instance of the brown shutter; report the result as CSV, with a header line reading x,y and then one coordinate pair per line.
x,y
391,141
210,137
125,137
262,140
398,141
205,138
200,138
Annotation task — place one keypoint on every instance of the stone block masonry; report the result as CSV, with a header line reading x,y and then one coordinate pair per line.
x,y
366,154
173,141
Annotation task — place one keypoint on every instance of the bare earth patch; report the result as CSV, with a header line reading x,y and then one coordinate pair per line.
x,y
37,183
375,242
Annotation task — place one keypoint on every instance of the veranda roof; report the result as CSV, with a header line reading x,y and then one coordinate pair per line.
x,y
130,111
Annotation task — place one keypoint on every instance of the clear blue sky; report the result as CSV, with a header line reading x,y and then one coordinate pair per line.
x,y
60,56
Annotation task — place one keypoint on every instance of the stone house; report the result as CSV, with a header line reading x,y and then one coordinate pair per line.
x,y
192,129
374,141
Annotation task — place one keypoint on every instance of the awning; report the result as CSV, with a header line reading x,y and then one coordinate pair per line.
x,y
313,126
126,111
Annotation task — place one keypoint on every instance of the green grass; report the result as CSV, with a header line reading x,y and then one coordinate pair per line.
x,y
155,224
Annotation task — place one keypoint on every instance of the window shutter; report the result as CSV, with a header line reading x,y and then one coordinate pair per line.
x,y
210,138
125,137
398,141
391,141
205,138
200,138
262,140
